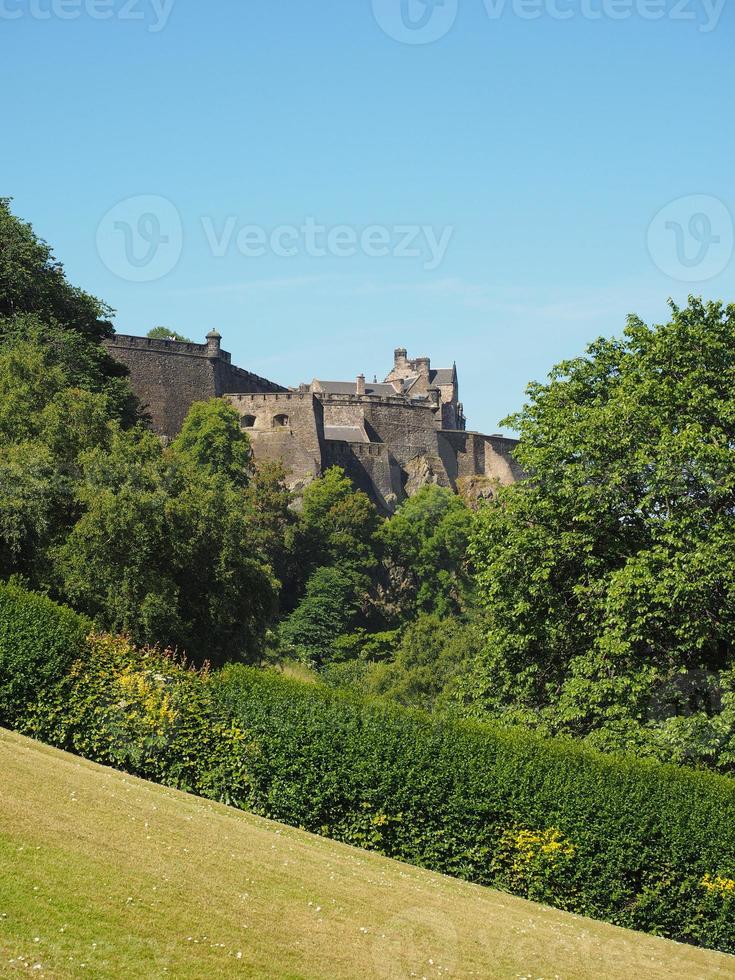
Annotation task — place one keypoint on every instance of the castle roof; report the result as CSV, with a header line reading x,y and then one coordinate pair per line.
x,y
443,376
350,388
345,433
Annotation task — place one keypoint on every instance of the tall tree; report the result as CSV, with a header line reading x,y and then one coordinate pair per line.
x,y
163,551
39,305
611,569
32,280
212,440
425,546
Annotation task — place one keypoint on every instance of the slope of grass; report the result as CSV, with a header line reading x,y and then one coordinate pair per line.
x,y
104,875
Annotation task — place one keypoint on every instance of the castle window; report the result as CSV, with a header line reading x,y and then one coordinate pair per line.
x,y
248,421
281,421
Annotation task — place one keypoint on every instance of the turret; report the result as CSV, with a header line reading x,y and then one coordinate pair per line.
x,y
213,343
423,366
400,355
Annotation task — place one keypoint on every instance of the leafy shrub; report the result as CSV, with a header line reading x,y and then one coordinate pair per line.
x,y
533,863
613,837
39,641
141,711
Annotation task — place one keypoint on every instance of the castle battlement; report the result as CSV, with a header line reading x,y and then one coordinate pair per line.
x,y
368,399
172,348
275,396
390,437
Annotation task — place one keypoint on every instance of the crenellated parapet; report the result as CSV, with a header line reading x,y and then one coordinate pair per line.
x,y
168,376
390,437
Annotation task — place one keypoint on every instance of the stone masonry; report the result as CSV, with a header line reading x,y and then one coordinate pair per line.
x,y
390,437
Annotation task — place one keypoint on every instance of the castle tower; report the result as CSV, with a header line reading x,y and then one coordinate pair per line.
x,y
214,343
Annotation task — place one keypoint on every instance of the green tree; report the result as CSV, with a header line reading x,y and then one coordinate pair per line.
x,y
29,496
425,545
271,519
44,427
611,570
163,552
40,306
326,610
163,333
33,281
432,654
337,524
212,440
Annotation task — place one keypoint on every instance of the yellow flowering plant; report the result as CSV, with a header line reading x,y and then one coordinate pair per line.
x,y
533,862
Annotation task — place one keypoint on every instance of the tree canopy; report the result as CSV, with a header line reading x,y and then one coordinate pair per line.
x,y
164,333
608,576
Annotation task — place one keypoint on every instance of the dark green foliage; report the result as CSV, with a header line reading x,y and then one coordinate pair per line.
x,y
33,281
608,578
425,545
337,525
39,305
322,615
163,552
141,711
271,520
39,641
429,658
212,440
466,799
163,333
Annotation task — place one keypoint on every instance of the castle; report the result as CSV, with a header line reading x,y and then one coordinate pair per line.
x,y
391,437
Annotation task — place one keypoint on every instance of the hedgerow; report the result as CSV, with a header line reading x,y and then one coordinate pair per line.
x,y
641,844
637,843
39,641
145,713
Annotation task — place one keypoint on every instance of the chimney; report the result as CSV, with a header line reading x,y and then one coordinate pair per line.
x,y
423,366
399,357
213,343
360,389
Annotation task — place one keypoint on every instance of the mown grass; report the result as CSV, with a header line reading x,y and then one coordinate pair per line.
x,y
104,875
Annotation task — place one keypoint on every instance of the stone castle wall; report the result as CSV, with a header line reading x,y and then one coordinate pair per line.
x,y
370,467
169,376
288,426
407,446
480,455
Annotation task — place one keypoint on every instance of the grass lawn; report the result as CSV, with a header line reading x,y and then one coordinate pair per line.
x,y
103,875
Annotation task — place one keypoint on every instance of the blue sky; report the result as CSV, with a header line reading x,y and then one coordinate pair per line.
x,y
542,149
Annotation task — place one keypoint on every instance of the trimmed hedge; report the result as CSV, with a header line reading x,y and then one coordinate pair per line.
x,y
637,843
641,844
39,641
145,713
